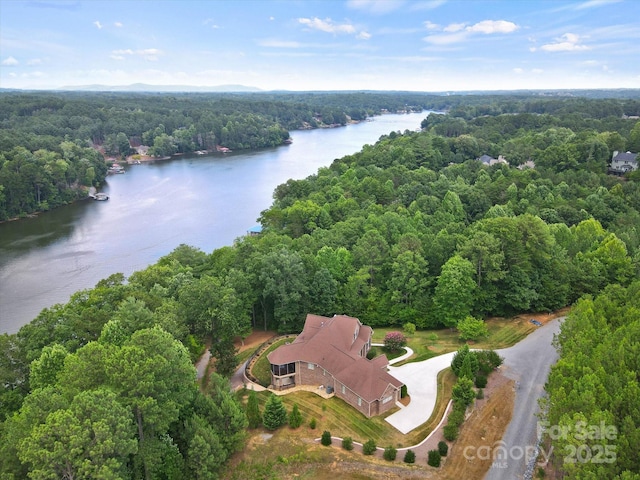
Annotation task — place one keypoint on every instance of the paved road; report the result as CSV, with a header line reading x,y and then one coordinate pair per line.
x,y
528,363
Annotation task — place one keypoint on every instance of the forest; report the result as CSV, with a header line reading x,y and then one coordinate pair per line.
x,y
413,229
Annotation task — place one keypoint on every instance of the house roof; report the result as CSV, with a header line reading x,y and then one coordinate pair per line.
x,y
625,157
335,344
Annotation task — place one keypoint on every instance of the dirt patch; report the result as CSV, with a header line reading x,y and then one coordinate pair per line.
x,y
543,318
483,428
257,338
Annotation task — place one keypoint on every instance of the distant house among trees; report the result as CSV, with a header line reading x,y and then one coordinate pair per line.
x,y
623,162
489,161
332,353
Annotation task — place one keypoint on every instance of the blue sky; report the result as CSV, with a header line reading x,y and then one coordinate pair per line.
x,y
430,45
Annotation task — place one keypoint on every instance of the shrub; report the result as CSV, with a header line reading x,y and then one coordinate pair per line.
x,y
409,329
369,448
390,454
480,394
450,432
410,456
394,341
295,417
403,391
434,458
471,328
313,423
481,381
326,438
463,391
347,443
488,361
274,415
371,354
456,417
443,448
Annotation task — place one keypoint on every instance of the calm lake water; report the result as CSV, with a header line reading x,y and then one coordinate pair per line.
x,y
204,201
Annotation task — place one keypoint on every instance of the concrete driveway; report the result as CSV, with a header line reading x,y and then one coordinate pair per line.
x,y
421,379
528,362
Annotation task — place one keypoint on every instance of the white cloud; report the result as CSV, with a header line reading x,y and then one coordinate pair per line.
x,y
431,26
150,54
327,25
454,27
537,71
10,62
118,24
569,42
595,3
519,71
364,36
493,26
34,61
209,22
459,32
98,24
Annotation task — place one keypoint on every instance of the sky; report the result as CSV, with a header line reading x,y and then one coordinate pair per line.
x,y
411,45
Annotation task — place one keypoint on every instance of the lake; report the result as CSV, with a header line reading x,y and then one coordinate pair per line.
x,y
203,201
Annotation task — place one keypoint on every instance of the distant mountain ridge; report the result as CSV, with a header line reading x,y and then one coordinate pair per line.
x,y
144,87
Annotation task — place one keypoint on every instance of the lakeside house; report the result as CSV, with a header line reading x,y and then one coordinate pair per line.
x,y
332,354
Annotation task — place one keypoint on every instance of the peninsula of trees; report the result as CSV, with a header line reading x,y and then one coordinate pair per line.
x,y
411,229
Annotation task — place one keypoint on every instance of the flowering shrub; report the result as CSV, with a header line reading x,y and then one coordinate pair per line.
x,y
394,341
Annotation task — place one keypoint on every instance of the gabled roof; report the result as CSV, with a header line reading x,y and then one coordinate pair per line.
x,y
625,157
335,344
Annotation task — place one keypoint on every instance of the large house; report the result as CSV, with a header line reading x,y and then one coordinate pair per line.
x,y
332,353
490,161
623,162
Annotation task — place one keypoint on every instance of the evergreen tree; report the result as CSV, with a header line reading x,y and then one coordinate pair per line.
x,y
274,415
295,417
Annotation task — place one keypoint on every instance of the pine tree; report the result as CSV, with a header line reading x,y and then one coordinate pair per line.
x,y
295,417
253,410
275,415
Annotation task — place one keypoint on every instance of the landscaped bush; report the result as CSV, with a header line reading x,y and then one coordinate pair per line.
x,y
488,361
443,448
481,381
403,391
295,417
410,456
390,454
326,438
313,423
450,432
480,394
434,458
409,329
369,448
347,443
394,341
456,417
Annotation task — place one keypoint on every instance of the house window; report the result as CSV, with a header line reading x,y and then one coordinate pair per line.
x,y
359,402
311,366
387,399
344,389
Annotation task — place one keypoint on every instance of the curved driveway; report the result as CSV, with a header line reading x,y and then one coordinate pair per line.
x,y
527,362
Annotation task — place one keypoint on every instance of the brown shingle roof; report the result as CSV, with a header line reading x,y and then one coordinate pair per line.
x,y
335,344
